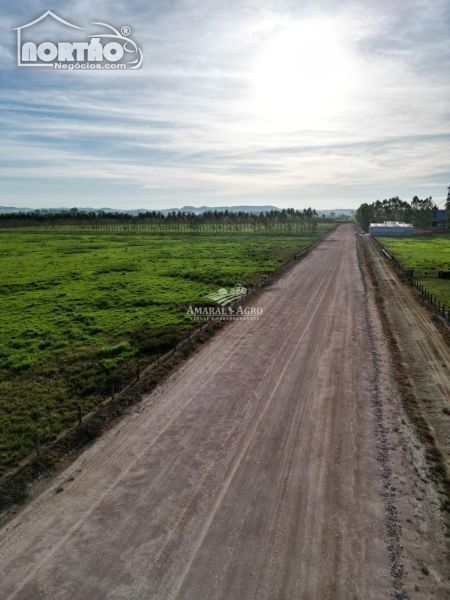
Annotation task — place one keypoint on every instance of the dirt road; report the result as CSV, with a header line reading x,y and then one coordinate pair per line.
x,y
251,474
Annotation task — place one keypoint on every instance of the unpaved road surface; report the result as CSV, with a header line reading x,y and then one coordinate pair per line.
x,y
251,474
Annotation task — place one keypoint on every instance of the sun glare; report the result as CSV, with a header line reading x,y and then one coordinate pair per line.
x,y
301,76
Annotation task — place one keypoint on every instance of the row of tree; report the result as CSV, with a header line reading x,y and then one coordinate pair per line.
x,y
420,212
285,220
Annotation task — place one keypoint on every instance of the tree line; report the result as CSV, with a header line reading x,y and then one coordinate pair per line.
x,y
419,212
285,220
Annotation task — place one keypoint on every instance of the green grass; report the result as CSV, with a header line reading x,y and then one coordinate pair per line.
x,y
426,255
80,311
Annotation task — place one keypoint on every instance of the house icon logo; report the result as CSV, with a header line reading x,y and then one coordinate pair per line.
x,y
224,296
74,47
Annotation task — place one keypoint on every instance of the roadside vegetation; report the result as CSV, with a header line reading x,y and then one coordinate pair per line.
x,y
426,255
80,311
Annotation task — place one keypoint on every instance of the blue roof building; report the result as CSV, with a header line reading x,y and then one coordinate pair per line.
x,y
439,217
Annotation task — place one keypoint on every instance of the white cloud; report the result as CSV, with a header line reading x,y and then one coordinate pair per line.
x,y
189,123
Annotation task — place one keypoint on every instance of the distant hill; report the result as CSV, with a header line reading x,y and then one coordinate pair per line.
x,y
191,209
337,212
201,209
17,209
198,210
14,209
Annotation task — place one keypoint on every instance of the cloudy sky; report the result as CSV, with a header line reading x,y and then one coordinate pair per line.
x,y
292,103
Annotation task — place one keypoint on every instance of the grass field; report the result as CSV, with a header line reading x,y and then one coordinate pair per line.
x,y
427,256
80,311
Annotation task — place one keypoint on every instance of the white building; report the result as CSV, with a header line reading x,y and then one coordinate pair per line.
x,y
391,228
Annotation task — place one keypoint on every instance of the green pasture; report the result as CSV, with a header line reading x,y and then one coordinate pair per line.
x,y
79,311
427,255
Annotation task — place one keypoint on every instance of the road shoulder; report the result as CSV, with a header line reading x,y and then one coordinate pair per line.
x,y
412,429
